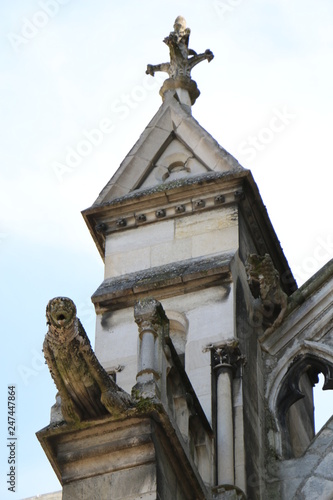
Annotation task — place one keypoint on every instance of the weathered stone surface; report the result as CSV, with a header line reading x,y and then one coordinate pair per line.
x,y
177,222
158,276
325,468
309,476
180,66
129,484
264,282
173,240
316,487
85,388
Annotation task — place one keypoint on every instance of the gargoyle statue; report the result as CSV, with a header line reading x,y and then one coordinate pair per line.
x,y
181,64
86,390
264,282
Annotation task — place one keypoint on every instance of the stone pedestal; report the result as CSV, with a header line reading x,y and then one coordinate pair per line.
x,y
138,457
105,459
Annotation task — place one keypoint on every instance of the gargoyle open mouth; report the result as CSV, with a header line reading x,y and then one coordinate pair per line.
x,y
61,311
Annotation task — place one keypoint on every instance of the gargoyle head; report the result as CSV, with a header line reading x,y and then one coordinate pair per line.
x,y
60,313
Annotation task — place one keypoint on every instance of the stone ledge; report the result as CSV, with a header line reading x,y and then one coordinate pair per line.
x,y
157,278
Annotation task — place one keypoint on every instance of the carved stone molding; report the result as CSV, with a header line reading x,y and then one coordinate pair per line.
x,y
173,210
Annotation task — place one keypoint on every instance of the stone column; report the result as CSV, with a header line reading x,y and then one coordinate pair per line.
x,y
226,359
153,326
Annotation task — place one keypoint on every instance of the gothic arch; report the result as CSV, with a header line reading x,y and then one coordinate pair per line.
x,y
309,358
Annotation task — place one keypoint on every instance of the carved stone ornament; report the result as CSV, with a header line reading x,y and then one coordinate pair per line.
x,y
264,283
227,354
182,60
149,315
86,390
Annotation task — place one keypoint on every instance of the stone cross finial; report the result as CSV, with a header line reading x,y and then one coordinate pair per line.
x,y
182,60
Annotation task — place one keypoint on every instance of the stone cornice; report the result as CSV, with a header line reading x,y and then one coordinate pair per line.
x,y
182,276
169,188
166,201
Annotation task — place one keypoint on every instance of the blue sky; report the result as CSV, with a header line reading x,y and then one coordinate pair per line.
x,y
69,66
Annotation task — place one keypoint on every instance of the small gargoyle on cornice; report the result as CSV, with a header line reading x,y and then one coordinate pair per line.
x,y
264,283
85,389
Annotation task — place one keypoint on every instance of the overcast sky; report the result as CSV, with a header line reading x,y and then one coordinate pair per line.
x,y
66,66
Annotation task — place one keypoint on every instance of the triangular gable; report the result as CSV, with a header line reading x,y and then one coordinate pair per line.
x,y
173,145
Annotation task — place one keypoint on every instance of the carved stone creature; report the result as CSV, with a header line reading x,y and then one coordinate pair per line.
x,y
86,390
264,282
181,64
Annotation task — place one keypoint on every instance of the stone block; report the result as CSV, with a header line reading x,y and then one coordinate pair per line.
x,y
226,163
194,300
122,263
162,119
325,468
111,190
116,345
131,171
188,133
208,151
126,378
299,467
289,488
129,484
212,322
205,222
168,252
215,242
140,237
152,143
177,116
317,487
196,167
116,340
201,378
322,441
195,357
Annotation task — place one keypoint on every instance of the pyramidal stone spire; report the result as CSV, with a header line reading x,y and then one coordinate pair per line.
x,y
182,60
